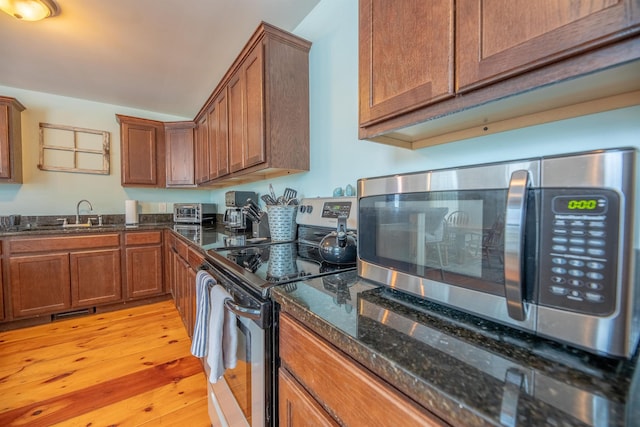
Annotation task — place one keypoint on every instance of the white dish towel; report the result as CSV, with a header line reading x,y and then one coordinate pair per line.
x,y
204,282
223,335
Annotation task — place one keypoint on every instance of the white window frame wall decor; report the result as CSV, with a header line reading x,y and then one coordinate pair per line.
x,y
102,149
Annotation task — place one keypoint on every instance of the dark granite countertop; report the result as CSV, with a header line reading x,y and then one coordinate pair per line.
x,y
468,371
49,225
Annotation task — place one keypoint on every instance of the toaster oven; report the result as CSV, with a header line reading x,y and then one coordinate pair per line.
x,y
194,213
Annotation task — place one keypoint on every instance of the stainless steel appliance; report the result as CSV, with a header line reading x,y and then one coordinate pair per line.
x,y
246,395
194,213
235,215
237,199
548,245
235,219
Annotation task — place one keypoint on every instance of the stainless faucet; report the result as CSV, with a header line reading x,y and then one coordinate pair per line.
x,y
78,209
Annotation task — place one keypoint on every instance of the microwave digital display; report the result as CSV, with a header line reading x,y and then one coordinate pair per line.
x,y
589,204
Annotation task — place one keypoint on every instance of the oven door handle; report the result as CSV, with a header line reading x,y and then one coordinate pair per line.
x,y
514,226
250,313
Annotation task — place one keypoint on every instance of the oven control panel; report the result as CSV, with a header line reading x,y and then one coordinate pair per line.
x,y
324,212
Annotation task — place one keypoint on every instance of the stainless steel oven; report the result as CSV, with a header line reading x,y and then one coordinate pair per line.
x,y
247,394
243,396
548,245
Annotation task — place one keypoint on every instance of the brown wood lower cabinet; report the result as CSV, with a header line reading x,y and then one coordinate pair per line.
x,y
183,265
55,274
39,284
95,277
297,408
143,260
342,389
2,309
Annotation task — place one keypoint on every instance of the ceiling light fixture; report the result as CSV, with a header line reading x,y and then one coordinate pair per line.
x,y
30,10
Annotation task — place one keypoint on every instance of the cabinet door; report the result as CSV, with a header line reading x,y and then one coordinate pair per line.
x,y
95,277
330,375
182,279
236,92
142,152
5,161
202,150
2,309
406,56
180,156
296,407
190,300
39,284
144,271
253,74
219,136
212,157
10,140
498,39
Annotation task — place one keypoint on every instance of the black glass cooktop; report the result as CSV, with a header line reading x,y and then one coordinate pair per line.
x,y
282,262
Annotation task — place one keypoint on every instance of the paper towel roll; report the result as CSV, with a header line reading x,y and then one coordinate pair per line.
x,y
131,212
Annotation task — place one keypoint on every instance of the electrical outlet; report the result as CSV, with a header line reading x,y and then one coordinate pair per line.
x,y
162,207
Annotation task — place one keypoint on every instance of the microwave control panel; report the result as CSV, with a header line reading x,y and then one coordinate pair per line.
x,y
578,247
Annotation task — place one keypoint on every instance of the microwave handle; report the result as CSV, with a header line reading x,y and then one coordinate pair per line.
x,y
514,242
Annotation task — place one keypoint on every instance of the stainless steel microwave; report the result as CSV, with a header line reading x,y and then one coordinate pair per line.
x,y
548,245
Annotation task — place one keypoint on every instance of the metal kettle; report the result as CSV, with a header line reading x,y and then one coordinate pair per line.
x,y
340,246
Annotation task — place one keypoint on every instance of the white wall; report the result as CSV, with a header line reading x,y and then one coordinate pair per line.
x,y
56,193
338,158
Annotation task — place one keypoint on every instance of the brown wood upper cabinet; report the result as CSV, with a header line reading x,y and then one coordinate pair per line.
x,y
254,126
258,116
10,141
180,154
219,136
142,152
247,144
212,141
401,65
500,39
503,65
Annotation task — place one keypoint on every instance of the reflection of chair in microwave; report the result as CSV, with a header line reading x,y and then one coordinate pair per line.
x,y
493,242
461,237
430,226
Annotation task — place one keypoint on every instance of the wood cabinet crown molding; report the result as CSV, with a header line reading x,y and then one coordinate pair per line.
x,y
508,67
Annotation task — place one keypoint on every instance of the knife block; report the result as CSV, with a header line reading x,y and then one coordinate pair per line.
x,y
261,228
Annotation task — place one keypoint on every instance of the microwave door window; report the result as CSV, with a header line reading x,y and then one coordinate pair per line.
x,y
453,237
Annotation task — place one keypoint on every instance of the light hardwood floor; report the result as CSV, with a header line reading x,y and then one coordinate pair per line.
x,y
129,367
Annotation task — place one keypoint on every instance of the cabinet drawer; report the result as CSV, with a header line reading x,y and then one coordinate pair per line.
x,y
143,238
66,243
353,394
194,258
181,248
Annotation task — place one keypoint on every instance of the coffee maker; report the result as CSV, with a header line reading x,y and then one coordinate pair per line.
x,y
235,216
